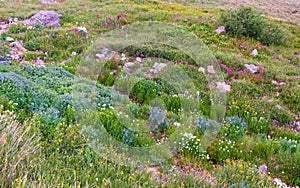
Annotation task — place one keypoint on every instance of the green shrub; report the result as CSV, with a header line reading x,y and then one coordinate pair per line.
x,y
120,132
30,56
272,34
144,91
223,149
272,112
173,103
249,23
291,97
288,169
159,51
258,125
108,73
32,45
17,28
234,128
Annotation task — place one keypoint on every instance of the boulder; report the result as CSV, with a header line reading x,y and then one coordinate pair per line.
x,y
45,18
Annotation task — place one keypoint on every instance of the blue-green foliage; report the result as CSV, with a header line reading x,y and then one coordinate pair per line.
x,y
55,95
41,90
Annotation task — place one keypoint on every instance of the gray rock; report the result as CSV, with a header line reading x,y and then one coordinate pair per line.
x,y
254,52
138,59
220,30
159,66
39,62
9,20
48,1
9,39
129,64
45,18
252,68
104,50
100,56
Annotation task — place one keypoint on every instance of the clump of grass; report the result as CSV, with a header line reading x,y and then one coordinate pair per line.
x,y
18,151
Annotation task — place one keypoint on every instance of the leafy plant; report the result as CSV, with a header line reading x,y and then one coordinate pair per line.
x,y
108,73
158,120
247,22
144,91
17,28
234,128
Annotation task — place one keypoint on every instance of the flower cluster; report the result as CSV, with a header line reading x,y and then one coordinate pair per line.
x,y
191,145
227,70
127,136
252,72
237,121
224,149
289,145
234,127
114,21
201,124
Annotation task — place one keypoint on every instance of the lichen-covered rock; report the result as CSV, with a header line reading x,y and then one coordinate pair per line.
x,y
252,68
220,30
45,18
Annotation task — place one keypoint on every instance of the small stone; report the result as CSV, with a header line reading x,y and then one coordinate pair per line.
x,y
210,69
223,87
39,62
138,59
220,30
9,39
9,20
274,82
254,53
252,68
48,1
201,69
153,71
104,51
129,64
100,56
12,44
123,57
279,107
159,66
